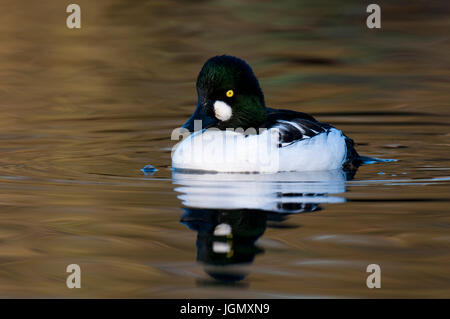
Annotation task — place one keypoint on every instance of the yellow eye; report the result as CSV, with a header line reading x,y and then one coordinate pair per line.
x,y
230,93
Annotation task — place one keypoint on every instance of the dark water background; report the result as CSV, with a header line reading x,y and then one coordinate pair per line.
x,y
82,111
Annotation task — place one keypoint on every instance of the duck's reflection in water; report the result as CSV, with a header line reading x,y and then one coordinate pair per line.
x,y
231,211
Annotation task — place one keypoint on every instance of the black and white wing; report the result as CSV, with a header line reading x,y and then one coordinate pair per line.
x,y
297,129
295,126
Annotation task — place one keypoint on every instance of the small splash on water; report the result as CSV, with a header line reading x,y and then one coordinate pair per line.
x,y
149,170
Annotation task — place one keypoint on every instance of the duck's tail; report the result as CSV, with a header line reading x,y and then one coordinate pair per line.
x,y
353,160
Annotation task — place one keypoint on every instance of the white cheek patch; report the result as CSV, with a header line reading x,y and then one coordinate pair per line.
x,y
222,110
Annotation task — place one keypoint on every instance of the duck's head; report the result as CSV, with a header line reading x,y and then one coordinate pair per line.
x,y
229,95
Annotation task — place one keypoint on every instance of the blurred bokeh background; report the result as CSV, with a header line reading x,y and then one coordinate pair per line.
x,y
83,110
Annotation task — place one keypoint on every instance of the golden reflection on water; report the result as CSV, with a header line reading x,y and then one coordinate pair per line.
x,y
84,110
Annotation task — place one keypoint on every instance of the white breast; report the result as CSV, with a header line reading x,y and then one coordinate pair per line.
x,y
229,151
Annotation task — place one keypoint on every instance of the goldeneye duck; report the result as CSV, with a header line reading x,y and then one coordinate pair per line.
x,y
232,130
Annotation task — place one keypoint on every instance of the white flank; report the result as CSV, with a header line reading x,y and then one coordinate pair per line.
x,y
222,111
229,151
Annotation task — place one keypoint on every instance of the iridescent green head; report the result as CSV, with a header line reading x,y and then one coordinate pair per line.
x,y
229,94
